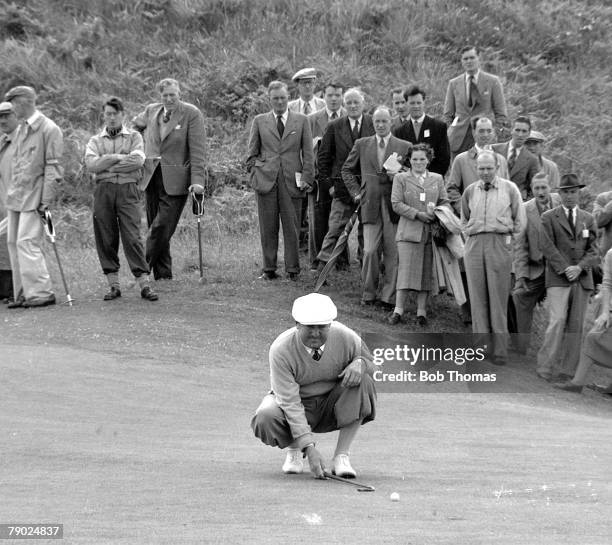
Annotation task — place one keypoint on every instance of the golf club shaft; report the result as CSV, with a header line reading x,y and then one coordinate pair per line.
x,y
200,247
61,270
347,481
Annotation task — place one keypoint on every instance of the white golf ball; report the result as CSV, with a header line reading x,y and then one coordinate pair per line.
x,y
394,496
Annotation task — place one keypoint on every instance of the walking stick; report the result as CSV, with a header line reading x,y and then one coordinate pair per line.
x,y
50,231
197,207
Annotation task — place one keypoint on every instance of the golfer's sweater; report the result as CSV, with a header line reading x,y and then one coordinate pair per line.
x,y
294,375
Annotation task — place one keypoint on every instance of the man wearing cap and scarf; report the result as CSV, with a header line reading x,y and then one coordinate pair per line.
x,y
534,143
570,248
8,127
35,171
321,378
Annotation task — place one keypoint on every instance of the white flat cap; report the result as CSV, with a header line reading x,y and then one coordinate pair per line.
x,y
535,136
305,73
314,309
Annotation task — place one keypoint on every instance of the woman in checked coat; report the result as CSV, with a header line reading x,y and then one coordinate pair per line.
x,y
414,196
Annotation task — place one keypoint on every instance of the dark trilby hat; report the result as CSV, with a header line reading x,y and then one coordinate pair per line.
x,y
570,180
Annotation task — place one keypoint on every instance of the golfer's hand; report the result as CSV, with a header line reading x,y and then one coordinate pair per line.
x,y
315,461
572,272
603,322
425,217
351,376
196,188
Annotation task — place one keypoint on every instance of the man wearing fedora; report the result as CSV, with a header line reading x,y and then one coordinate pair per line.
x,y
35,171
570,248
321,378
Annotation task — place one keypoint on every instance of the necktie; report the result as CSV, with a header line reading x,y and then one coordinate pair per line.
x,y
334,115
306,108
570,219
316,354
279,125
417,129
381,152
512,158
472,91
166,117
355,131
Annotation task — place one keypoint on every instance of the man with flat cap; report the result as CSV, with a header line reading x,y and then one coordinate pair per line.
x,y
570,248
534,143
306,103
8,131
321,378
35,171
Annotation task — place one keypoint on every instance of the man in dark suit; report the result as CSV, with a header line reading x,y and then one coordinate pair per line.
x,y
474,93
570,248
522,164
529,263
369,182
175,143
400,107
281,164
423,128
320,198
337,142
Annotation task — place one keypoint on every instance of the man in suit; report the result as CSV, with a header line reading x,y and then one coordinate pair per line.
x,y
306,103
175,142
320,198
522,164
423,128
281,164
570,248
534,144
464,172
602,212
474,93
400,107
335,147
529,263
366,160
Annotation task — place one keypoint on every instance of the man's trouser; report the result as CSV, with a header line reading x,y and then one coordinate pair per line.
x,y
24,240
272,207
163,214
524,303
374,235
560,348
488,265
117,212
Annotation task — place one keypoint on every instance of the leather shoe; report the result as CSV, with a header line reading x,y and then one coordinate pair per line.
x,y
113,293
39,301
386,306
294,462
499,360
394,318
148,294
421,320
544,376
268,275
343,467
293,276
368,303
569,387
17,303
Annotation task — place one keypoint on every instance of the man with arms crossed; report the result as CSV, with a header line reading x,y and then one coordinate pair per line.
x,y
115,156
321,378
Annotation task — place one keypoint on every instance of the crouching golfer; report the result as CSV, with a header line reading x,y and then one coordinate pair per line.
x,y
321,378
